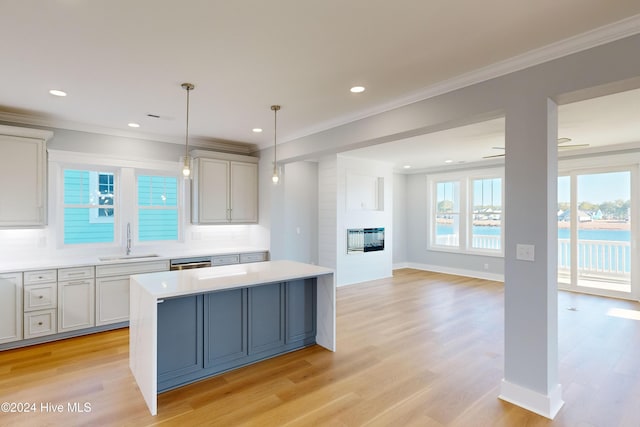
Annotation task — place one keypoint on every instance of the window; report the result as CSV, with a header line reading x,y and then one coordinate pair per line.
x,y
102,185
157,208
466,212
84,220
447,226
486,221
105,191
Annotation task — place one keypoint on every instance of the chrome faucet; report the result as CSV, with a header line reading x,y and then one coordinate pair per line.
x,y
128,238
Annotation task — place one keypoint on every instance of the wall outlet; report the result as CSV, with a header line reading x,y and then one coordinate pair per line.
x,y
525,252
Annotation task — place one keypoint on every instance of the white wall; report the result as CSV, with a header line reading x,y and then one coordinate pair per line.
x,y
400,218
300,228
328,212
360,267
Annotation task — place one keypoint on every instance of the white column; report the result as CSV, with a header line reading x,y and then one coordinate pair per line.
x,y
531,301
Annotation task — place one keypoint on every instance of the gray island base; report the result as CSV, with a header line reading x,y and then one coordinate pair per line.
x,y
192,324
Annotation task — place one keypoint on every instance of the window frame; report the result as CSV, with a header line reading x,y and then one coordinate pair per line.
x,y
94,182
125,172
465,239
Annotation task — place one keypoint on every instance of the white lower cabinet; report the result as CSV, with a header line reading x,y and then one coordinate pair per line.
x,y
10,307
76,299
112,300
112,288
40,323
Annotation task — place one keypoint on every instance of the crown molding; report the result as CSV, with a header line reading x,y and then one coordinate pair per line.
x,y
599,36
52,123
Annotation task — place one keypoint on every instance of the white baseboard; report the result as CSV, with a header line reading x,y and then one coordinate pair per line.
x,y
400,265
340,285
450,270
545,405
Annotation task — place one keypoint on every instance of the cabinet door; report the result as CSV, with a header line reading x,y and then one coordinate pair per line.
x,y
266,318
112,300
301,310
10,307
179,339
22,162
211,192
244,192
225,326
76,303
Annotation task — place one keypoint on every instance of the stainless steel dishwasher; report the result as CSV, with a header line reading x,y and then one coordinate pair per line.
x,y
189,263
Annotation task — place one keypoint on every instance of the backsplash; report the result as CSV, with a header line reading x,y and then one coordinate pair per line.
x,y
32,244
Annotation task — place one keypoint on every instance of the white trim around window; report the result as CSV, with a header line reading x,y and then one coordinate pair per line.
x,y
451,212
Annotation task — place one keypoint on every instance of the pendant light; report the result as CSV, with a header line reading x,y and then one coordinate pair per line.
x,y
275,178
186,170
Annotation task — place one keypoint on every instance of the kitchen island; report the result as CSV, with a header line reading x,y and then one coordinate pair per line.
x,y
191,324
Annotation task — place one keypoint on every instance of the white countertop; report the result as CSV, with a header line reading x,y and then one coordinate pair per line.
x,y
185,282
67,261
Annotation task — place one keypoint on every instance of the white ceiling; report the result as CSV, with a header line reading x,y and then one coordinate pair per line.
x,y
598,122
120,60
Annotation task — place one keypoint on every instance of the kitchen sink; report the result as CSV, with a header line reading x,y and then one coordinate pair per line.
x,y
127,257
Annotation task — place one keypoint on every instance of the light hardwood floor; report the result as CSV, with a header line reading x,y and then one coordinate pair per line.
x,y
421,349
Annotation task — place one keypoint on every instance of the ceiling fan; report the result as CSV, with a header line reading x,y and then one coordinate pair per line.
x,y
561,141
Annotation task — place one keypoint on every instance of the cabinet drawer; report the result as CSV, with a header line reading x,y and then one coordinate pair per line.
x,y
131,268
39,323
225,259
42,276
75,273
253,257
38,297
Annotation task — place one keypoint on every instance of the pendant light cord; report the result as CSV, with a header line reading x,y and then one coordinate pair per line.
x,y
186,145
275,109
275,139
186,170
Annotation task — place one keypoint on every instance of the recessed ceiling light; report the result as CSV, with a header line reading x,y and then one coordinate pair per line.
x,y
357,89
407,166
133,125
256,130
448,161
56,92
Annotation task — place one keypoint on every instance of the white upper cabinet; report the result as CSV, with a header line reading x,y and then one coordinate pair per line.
x,y
243,205
23,177
225,190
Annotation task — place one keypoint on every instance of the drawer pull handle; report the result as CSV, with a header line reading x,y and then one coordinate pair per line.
x,y
40,296
79,282
78,273
40,277
39,323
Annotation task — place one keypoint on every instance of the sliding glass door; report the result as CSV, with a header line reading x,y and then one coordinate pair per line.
x,y
595,232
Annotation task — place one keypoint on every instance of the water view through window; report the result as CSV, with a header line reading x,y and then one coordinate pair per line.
x,y
468,214
598,231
